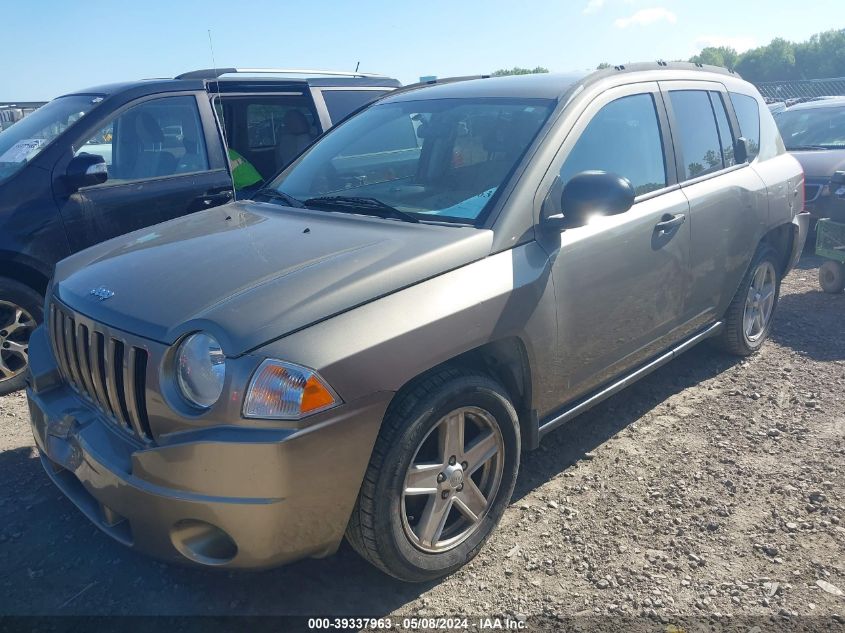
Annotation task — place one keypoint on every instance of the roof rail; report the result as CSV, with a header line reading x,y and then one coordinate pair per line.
x,y
433,82
215,73
660,63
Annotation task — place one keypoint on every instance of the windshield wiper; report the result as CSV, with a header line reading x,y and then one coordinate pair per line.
x,y
275,194
366,206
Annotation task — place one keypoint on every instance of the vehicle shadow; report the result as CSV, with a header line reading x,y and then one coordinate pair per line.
x,y
809,261
567,445
60,564
803,324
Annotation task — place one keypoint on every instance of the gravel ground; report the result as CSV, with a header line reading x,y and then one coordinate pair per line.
x,y
714,487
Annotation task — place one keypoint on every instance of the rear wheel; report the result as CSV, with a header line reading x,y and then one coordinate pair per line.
x,y
20,313
832,276
440,477
748,319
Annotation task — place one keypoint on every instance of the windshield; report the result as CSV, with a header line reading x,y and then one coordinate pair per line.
x,y
440,159
24,140
816,127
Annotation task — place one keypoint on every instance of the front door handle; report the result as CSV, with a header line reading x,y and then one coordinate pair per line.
x,y
216,199
669,223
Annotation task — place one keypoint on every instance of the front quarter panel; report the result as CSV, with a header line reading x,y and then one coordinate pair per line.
x,y
382,345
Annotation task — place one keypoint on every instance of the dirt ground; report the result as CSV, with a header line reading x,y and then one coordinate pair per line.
x,y
713,487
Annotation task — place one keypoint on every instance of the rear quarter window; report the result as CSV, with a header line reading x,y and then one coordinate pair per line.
x,y
748,114
340,103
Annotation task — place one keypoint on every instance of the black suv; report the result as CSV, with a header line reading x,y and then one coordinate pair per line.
x,y
814,132
101,162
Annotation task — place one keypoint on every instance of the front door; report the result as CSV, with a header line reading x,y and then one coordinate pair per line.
x,y
620,281
160,167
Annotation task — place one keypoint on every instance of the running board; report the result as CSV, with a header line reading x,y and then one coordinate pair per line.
x,y
625,381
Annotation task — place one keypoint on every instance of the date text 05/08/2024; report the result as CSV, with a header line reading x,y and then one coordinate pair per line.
x,y
422,624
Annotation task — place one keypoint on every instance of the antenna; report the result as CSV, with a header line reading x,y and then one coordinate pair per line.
x,y
357,66
222,113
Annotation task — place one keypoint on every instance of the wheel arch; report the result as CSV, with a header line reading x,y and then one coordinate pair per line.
x,y
27,273
781,238
505,360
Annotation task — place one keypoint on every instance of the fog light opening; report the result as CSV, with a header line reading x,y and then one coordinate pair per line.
x,y
203,542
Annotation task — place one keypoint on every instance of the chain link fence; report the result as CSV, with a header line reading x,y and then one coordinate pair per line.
x,y
797,91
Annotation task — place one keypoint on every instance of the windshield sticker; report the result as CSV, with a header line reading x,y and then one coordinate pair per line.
x,y
22,150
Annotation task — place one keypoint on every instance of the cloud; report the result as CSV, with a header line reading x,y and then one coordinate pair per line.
x,y
593,6
740,43
646,16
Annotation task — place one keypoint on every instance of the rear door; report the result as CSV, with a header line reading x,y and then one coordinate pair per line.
x,y
268,129
728,204
164,160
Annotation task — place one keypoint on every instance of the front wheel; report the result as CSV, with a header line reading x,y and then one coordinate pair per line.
x,y
748,319
20,312
441,475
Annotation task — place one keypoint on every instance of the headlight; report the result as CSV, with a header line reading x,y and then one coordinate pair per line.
x,y
284,391
200,369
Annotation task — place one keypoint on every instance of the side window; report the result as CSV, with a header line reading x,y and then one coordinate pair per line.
x,y
622,138
266,123
100,144
696,135
263,120
156,138
748,114
726,138
339,103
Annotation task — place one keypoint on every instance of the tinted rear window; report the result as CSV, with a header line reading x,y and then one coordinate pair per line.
x,y
748,114
725,135
339,103
697,133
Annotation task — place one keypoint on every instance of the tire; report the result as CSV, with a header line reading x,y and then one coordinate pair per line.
x,y
832,277
21,310
389,524
735,338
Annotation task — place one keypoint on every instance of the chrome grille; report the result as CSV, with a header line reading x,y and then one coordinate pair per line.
x,y
107,371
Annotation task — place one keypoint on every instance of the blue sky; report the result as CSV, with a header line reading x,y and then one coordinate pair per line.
x,y
56,46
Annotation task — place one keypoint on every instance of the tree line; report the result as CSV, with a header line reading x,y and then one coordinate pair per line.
x,y
822,56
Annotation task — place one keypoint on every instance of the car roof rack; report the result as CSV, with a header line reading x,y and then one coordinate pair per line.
x,y
216,73
432,82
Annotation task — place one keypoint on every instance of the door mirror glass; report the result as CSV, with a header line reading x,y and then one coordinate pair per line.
x,y
741,150
592,193
86,170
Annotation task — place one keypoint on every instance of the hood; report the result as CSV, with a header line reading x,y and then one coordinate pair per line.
x,y
820,163
252,272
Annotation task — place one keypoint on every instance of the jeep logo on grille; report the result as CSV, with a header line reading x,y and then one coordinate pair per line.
x,y
102,293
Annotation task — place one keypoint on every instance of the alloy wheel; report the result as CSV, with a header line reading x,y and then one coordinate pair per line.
x,y
16,326
452,480
760,301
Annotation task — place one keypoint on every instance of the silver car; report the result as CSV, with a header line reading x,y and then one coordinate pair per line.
x,y
370,345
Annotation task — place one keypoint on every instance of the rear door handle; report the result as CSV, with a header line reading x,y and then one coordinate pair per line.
x,y
669,223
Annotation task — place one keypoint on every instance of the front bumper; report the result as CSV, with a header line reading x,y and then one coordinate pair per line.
x,y
223,496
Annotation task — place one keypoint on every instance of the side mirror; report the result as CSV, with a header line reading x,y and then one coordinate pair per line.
x,y
85,170
592,193
741,150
